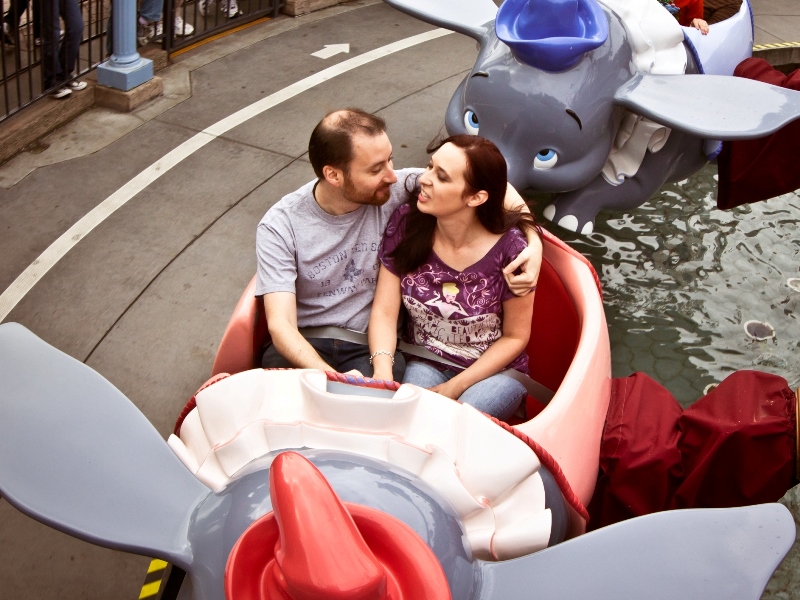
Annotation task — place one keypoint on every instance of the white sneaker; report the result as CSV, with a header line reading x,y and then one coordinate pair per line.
x,y
229,8
159,29
77,86
182,28
202,6
61,92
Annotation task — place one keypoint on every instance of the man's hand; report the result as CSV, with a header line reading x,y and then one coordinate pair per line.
x,y
529,261
280,309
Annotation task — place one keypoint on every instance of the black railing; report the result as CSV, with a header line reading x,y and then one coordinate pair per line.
x,y
21,44
206,18
22,74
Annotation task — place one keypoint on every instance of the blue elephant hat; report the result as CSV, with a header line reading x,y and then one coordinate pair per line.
x,y
551,35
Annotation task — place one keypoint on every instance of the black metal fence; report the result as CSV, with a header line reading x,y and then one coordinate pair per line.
x,y
21,44
196,20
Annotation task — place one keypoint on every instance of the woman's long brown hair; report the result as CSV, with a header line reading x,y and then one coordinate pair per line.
x,y
486,171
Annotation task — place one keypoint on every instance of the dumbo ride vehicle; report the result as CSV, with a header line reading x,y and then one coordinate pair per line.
x,y
297,484
603,101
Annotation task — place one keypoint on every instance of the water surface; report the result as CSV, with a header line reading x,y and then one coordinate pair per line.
x,y
681,278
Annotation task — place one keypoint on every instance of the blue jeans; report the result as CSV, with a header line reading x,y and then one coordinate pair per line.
x,y
59,58
498,395
342,356
151,9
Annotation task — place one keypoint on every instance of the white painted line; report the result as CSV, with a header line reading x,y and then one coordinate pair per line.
x,y
332,50
58,249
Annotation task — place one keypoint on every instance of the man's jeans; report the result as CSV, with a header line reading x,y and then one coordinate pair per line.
x,y
342,356
498,395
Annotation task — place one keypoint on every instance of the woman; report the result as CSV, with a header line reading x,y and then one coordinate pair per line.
x,y
443,255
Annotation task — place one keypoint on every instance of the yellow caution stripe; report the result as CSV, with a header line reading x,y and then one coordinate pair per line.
x,y
152,581
778,45
218,36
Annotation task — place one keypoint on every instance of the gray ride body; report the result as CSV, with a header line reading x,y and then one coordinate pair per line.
x,y
222,518
78,456
533,116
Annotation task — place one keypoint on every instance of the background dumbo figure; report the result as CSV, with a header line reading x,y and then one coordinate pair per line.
x,y
603,101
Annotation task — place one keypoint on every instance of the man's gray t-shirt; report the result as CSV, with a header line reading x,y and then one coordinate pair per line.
x,y
329,262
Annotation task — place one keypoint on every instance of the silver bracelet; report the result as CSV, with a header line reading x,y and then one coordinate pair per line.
x,y
386,352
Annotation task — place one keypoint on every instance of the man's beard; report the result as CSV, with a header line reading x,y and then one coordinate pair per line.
x,y
377,197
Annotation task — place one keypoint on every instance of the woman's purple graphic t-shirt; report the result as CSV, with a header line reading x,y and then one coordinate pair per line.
x,y
455,314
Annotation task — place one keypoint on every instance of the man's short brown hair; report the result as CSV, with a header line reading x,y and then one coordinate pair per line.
x,y
331,141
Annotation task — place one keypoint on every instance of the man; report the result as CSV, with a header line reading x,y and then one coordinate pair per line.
x,y
317,248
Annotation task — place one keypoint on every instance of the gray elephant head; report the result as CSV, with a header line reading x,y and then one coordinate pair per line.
x,y
555,129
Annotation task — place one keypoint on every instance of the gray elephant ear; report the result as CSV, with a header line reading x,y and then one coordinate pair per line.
x,y
470,17
713,107
78,456
707,554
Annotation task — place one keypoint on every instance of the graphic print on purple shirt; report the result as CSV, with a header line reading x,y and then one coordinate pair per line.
x,y
455,314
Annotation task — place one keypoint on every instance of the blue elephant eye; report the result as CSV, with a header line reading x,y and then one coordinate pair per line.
x,y
471,122
545,159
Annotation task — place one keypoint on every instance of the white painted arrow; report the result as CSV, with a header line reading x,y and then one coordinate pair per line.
x,y
332,50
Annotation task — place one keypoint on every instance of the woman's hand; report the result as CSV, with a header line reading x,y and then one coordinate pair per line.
x,y
529,261
701,25
448,389
382,332
382,371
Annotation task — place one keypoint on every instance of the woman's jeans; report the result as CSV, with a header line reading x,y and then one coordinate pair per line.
x,y
498,395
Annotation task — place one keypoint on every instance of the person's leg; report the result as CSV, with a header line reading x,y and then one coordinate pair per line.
x,y
181,27
37,18
151,10
51,30
424,375
498,395
73,31
15,11
399,366
147,21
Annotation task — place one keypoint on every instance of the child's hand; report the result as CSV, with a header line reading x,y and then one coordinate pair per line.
x,y
701,25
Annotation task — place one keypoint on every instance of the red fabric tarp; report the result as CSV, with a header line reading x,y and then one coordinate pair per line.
x,y
754,170
733,447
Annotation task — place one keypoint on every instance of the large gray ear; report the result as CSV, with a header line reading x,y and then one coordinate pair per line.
x,y
703,554
78,456
470,17
712,107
